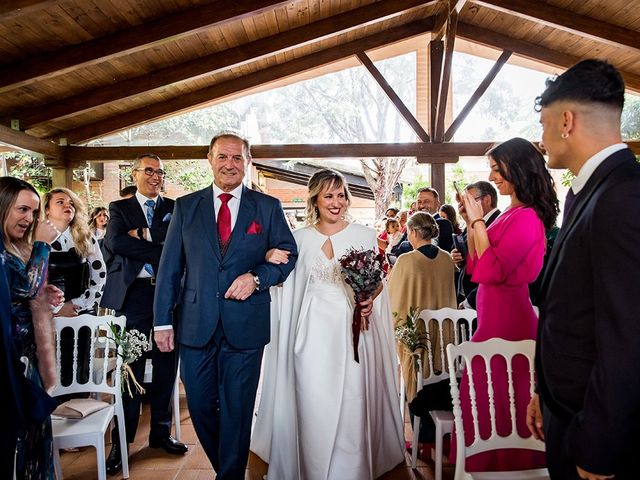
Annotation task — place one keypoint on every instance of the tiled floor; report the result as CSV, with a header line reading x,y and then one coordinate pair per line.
x,y
154,464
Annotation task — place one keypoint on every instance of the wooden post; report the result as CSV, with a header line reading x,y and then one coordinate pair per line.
x,y
61,177
437,179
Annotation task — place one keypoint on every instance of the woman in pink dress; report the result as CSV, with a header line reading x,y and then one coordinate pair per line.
x,y
504,259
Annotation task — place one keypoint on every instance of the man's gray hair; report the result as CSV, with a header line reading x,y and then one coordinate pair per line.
x,y
231,134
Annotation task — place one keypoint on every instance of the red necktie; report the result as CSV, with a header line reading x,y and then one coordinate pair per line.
x,y
224,218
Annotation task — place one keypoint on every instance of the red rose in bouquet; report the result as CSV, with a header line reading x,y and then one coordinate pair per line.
x,y
362,270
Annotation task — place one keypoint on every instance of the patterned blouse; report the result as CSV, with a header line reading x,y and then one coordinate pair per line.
x,y
97,271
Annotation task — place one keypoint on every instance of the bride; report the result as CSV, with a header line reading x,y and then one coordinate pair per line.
x,y
322,415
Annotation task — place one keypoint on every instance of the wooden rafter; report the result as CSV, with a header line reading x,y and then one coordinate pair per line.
x,y
15,8
436,51
452,6
531,50
166,29
216,62
18,139
446,76
393,96
484,85
239,84
568,21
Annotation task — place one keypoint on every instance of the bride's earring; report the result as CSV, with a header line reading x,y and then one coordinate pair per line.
x,y
565,135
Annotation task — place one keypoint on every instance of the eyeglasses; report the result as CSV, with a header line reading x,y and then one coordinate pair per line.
x,y
150,172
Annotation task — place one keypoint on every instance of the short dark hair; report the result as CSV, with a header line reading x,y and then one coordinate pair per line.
x,y
430,190
589,81
393,209
485,188
128,190
138,161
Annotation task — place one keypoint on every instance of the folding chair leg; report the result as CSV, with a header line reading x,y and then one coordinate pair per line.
x,y
439,442
101,459
415,443
124,448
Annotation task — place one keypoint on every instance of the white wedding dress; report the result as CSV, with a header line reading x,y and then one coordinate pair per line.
x,y
322,415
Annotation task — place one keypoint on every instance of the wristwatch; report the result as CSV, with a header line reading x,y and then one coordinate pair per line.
x,y
256,279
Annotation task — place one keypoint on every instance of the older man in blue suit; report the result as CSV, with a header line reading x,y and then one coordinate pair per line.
x,y
213,292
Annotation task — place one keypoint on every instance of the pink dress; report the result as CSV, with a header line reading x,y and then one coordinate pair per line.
x,y
504,272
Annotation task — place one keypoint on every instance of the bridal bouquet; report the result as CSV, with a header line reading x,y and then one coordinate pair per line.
x,y
409,335
131,346
362,270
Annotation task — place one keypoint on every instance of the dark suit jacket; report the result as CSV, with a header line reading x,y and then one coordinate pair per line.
x,y
129,254
192,249
465,286
588,348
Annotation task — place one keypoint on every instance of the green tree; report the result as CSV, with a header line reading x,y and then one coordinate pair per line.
x,y
29,168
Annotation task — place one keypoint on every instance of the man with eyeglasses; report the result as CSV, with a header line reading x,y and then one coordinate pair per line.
x,y
136,234
488,197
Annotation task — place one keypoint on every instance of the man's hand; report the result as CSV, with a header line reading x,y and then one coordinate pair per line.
x,y
591,476
277,256
534,418
164,339
241,288
134,233
456,256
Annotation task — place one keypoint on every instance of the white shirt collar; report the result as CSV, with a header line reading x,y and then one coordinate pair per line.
x,y
236,192
141,199
489,213
590,166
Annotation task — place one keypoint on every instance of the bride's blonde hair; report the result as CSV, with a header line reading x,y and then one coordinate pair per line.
x,y
322,180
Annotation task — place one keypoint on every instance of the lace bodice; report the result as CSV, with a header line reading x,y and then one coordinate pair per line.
x,y
325,271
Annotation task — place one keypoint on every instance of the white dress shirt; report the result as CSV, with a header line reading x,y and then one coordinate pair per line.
x,y
590,166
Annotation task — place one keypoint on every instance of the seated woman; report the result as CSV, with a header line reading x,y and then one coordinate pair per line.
x,y
26,257
76,266
504,259
420,279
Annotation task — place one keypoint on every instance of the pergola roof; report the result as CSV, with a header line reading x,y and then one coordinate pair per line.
x,y
79,69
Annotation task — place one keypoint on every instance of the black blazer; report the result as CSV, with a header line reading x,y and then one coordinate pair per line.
x,y
129,254
588,348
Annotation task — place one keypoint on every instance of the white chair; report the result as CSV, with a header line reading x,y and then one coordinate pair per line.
x,y
489,349
104,378
148,376
461,325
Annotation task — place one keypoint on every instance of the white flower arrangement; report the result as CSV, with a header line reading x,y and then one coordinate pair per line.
x,y
132,345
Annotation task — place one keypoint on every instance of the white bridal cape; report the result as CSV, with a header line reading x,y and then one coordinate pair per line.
x,y
322,415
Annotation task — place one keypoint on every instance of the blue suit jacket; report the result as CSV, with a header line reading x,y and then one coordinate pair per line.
x,y
129,254
194,276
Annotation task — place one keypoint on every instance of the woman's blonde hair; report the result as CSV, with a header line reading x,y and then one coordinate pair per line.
x,y
79,226
322,180
424,225
93,225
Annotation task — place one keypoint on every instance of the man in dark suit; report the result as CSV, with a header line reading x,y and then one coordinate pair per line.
x,y
486,194
428,200
588,348
215,277
135,236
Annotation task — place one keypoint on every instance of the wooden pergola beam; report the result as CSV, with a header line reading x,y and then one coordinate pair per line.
x,y
216,62
567,21
22,141
532,51
393,96
484,85
433,152
209,94
446,76
163,30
